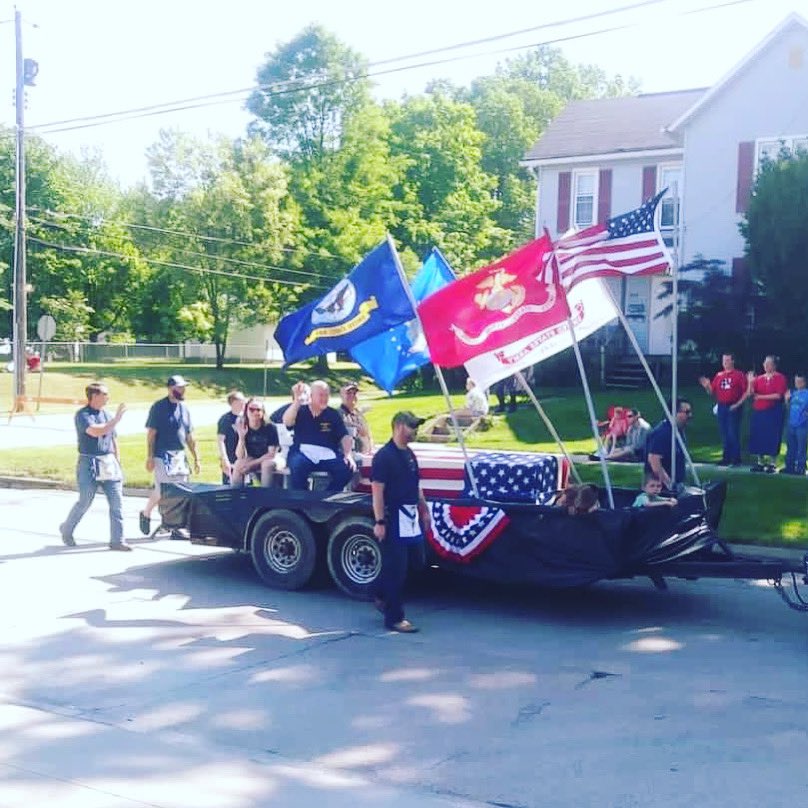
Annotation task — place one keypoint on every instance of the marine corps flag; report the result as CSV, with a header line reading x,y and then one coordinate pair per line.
x,y
493,307
369,300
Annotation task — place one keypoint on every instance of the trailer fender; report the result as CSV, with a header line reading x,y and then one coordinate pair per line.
x,y
283,549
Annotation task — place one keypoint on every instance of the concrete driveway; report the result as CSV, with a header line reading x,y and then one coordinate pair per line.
x,y
171,677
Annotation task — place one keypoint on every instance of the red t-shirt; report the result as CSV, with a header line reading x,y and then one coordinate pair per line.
x,y
728,386
764,385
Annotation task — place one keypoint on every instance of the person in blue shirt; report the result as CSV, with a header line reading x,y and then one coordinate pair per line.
x,y
321,440
658,448
797,429
169,434
401,517
98,465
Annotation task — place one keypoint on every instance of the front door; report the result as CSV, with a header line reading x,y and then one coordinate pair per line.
x,y
637,308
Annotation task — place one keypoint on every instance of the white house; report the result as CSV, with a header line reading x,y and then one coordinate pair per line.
x,y
600,158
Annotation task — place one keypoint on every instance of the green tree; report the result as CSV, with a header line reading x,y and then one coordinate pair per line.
x,y
307,91
777,248
226,230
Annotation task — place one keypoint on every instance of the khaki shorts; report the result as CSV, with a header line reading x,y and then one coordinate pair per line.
x,y
160,475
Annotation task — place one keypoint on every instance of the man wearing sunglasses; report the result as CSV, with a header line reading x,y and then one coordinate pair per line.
x,y
658,447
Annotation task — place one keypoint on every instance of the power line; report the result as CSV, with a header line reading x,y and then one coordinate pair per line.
x,y
198,254
187,234
170,264
91,121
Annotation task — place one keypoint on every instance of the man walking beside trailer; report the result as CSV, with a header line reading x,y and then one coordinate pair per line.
x,y
401,518
98,464
168,435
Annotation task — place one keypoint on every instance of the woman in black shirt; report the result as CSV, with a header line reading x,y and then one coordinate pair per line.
x,y
257,445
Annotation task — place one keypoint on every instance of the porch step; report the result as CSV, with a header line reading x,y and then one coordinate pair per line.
x,y
627,374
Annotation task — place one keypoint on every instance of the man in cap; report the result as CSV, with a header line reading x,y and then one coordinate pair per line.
x,y
401,517
355,421
226,435
98,465
169,435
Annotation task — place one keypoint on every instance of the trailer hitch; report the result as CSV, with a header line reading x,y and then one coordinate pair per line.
x,y
795,601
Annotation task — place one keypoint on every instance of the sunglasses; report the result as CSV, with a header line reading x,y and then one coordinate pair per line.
x,y
255,409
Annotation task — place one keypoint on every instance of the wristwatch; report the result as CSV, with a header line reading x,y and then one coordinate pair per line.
x,y
380,521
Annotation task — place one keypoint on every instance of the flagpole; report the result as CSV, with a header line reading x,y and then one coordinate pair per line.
x,y
675,334
548,423
438,371
659,394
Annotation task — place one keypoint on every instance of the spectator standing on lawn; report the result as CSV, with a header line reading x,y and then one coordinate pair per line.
x,y
257,445
658,448
768,392
730,389
797,429
402,517
226,436
169,434
98,464
321,441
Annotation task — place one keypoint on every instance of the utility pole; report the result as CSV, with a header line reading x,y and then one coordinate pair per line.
x,y
20,281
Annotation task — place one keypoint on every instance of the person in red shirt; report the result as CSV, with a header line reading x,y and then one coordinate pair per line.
x,y
766,429
730,389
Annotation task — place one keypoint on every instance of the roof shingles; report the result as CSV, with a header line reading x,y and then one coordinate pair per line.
x,y
609,125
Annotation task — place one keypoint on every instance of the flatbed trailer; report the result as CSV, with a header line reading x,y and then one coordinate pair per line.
x,y
290,534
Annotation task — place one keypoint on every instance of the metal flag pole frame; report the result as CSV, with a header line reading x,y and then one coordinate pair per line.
x,y
438,371
641,356
604,467
675,335
549,424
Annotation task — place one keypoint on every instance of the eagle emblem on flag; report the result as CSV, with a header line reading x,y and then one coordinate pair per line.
x,y
462,532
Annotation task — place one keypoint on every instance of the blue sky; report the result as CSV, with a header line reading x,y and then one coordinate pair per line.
x,y
100,56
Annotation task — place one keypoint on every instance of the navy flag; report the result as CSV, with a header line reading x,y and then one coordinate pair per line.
x,y
395,354
371,299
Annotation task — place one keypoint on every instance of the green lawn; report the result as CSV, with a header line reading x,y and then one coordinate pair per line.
x,y
760,509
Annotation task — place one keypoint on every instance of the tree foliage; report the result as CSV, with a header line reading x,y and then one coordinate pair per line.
x,y
777,248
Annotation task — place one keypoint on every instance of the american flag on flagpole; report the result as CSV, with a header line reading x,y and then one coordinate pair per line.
x,y
628,244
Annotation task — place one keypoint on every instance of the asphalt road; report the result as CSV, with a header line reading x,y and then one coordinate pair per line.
x,y
170,676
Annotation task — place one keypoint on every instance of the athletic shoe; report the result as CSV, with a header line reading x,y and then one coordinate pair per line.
x,y
180,534
123,548
769,468
403,627
67,539
757,467
145,524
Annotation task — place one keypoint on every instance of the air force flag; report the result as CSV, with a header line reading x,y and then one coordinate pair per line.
x,y
371,299
393,355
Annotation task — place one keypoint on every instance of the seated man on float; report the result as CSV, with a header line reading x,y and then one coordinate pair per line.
x,y
321,441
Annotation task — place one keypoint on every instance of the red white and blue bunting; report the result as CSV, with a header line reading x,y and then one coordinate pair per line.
x,y
462,532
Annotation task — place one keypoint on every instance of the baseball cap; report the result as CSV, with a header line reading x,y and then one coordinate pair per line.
x,y
176,381
408,418
349,386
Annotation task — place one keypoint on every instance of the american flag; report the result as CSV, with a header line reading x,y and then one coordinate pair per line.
x,y
628,244
444,475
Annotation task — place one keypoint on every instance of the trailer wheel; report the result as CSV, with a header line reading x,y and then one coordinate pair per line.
x,y
354,557
283,549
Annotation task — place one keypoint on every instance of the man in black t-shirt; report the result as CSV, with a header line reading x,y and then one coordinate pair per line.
x,y
226,433
321,441
98,464
402,516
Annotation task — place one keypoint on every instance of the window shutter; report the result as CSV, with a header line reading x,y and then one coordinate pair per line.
x,y
746,170
604,195
648,182
564,191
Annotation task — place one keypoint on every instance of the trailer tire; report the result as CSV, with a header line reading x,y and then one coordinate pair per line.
x,y
354,557
283,549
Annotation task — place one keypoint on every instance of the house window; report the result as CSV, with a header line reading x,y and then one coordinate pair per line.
x,y
584,198
773,148
669,178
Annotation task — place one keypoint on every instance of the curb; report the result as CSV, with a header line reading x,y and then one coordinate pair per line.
x,y
56,485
